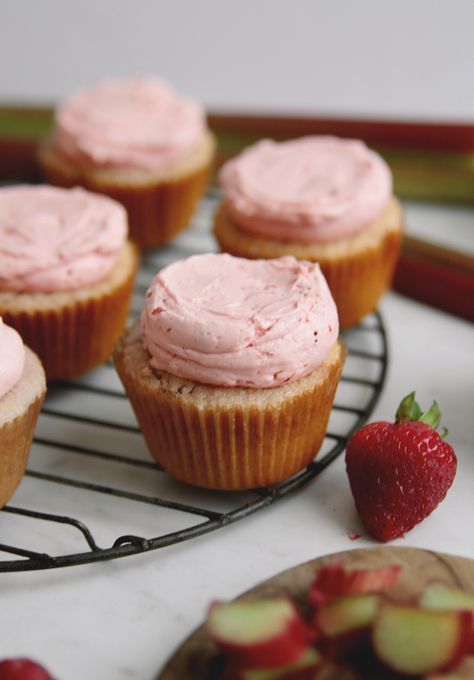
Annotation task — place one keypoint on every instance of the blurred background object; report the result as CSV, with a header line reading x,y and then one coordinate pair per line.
x,y
389,58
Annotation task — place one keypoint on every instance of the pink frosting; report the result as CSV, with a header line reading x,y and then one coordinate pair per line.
x,y
12,358
313,189
229,321
57,239
140,123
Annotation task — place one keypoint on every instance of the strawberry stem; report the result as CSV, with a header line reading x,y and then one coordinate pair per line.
x,y
409,409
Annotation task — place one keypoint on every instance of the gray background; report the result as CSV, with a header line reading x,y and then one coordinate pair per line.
x,y
405,58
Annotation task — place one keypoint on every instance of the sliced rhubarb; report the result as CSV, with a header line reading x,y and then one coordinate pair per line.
x,y
260,634
442,597
343,626
346,614
335,581
414,641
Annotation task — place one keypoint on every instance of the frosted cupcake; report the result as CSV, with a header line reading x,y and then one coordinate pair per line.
x,y
22,390
321,199
233,368
139,142
66,274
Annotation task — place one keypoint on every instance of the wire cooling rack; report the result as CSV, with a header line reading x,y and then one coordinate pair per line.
x,y
91,491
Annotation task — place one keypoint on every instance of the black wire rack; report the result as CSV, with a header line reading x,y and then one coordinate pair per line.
x,y
91,491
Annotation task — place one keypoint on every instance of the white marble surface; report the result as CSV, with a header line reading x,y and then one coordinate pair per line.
x,y
124,618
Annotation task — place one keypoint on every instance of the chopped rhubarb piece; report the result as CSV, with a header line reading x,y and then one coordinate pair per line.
x,y
346,614
259,634
442,597
343,625
414,641
336,581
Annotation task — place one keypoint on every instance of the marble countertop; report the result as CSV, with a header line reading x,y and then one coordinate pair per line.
x,y
124,618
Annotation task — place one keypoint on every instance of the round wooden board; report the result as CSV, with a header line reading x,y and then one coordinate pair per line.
x,y
198,659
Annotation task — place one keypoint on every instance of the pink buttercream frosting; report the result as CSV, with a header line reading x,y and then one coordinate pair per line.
x,y
57,239
312,189
228,321
12,358
131,124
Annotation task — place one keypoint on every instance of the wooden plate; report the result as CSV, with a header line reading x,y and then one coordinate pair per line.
x,y
198,659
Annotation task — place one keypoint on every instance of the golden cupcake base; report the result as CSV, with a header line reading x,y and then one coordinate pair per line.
x,y
358,269
159,206
225,437
73,331
19,411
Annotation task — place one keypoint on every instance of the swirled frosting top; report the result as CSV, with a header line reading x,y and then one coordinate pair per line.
x,y
312,189
228,321
141,123
55,239
12,358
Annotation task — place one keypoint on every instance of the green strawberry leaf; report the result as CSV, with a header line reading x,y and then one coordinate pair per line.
x,y
432,416
409,410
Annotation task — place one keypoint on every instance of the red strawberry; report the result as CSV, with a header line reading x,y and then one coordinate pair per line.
x,y
22,669
400,471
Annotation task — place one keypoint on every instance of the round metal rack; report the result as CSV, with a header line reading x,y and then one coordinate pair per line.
x,y
88,453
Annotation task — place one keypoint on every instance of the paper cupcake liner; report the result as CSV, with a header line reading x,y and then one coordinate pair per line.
x,y
358,281
15,443
358,273
74,337
249,442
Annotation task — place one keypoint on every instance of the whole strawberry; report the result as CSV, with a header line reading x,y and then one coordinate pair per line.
x,y
400,471
22,669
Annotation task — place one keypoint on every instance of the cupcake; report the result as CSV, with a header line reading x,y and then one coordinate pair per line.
x,y
233,368
66,274
321,199
22,390
138,142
